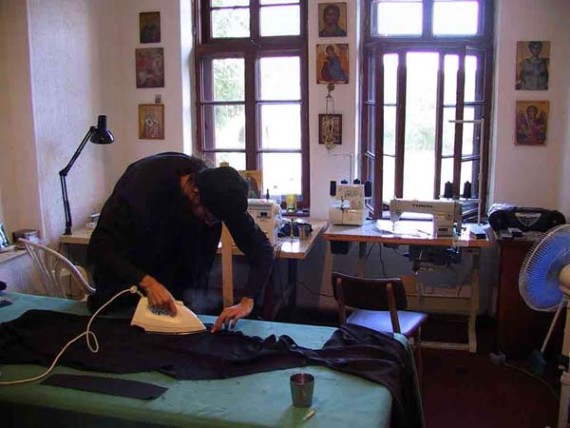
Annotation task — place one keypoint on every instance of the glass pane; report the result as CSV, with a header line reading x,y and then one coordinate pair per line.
x,y
391,21
282,173
371,76
280,78
280,21
470,75
388,179
446,174
390,78
225,126
281,126
420,124
371,128
468,129
264,2
448,134
450,67
230,23
464,13
228,77
390,131
229,3
466,174
235,160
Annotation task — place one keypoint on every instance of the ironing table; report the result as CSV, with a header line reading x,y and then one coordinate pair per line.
x,y
256,400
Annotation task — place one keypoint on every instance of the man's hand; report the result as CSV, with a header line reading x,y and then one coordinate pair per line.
x,y
233,313
157,294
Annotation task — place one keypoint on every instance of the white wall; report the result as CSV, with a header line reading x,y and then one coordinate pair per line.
x,y
531,175
18,164
174,14
333,164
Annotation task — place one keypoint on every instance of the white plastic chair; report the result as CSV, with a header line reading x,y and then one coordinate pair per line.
x,y
60,277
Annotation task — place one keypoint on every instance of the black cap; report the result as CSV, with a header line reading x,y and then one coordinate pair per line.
x,y
223,191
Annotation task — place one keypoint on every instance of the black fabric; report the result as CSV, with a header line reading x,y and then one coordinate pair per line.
x,y
107,385
147,226
223,191
37,336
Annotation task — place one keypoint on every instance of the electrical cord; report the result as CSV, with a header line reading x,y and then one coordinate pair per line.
x,y
90,339
550,387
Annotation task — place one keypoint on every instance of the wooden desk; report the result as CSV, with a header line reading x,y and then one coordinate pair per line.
x,y
292,249
411,232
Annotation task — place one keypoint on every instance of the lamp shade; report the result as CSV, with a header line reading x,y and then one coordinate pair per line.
x,y
102,135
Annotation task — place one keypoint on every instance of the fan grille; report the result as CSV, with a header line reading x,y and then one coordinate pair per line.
x,y
539,285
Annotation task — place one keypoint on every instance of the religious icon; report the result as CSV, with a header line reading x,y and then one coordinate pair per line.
x,y
332,63
151,121
531,123
332,20
532,65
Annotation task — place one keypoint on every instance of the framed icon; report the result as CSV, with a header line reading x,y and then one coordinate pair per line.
x,y
332,19
330,129
149,67
151,121
332,63
149,24
531,123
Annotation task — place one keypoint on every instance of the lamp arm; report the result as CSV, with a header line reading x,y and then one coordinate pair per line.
x,y
65,170
63,174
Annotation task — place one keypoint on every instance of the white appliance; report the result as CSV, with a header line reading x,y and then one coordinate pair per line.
x,y
348,207
153,321
267,215
446,214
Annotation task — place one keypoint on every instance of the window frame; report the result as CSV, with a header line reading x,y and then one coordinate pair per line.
x,y
251,49
375,46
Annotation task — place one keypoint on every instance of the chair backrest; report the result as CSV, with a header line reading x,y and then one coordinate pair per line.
x,y
60,277
375,294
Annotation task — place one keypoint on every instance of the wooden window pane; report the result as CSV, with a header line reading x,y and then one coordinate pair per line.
x,y
282,173
281,126
235,160
470,78
448,135
390,78
450,68
280,78
230,23
228,79
465,18
229,3
280,21
391,21
390,130
228,128
388,180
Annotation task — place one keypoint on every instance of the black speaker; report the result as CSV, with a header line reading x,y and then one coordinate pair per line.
x,y
527,219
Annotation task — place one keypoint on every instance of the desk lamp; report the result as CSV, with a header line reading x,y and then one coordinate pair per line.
x,y
97,135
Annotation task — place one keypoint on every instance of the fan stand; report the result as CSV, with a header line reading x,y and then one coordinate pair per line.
x,y
565,378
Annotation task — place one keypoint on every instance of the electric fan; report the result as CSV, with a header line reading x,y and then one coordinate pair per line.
x,y
544,284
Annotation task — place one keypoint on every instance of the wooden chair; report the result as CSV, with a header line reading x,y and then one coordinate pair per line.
x,y
60,277
379,304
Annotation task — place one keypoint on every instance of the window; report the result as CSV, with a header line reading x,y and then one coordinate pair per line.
x,y
251,90
426,94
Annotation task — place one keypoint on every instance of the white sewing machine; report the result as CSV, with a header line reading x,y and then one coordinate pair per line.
x,y
267,215
348,205
446,214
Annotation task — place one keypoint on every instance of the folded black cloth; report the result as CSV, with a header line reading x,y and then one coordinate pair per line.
x,y
107,385
38,336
